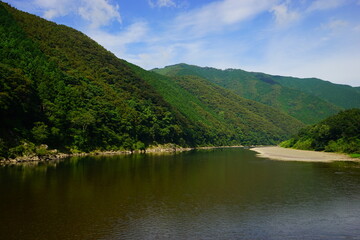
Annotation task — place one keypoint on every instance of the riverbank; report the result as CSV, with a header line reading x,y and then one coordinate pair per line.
x,y
54,155
289,154
160,149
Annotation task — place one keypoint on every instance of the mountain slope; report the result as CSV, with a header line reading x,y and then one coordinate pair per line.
x,y
262,88
58,87
337,94
72,93
222,113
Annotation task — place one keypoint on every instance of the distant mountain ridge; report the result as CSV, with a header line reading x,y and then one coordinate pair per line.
x,y
308,100
338,94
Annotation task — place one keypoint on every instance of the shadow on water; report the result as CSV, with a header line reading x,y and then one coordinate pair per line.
x,y
206,194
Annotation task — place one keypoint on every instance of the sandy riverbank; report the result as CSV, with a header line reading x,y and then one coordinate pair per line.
x,y
288,154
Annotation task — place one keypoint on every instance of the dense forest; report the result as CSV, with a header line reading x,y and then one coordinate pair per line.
x,y
224,117
61,89
308,100
338,133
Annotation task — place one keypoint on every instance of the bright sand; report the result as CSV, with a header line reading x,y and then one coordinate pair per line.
x,y
288,154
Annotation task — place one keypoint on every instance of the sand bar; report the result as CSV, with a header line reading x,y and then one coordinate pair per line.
x,y
288,154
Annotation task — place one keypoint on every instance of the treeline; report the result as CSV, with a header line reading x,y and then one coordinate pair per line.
x,y
338,133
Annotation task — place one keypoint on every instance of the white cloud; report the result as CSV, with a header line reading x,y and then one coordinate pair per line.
x,y
335,24
155,56
217,15
325,4
52,13
117,42
357,28
97,12
161,3
54,8
284,16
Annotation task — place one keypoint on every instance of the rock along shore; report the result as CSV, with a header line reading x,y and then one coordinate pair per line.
x,y
161,149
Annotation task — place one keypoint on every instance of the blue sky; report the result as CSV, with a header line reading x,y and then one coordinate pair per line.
x,y
301,38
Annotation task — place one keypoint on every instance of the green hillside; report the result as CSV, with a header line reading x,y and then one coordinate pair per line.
x,y
341,95
58,87
338,133
61,88
265,89
222,114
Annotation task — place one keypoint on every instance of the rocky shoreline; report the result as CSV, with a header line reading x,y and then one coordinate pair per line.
x,y
54,155
161,149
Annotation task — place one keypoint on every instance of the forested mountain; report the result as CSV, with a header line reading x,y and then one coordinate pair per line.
x,y
58,87
338,133
340,95
224,117
308,100
61,88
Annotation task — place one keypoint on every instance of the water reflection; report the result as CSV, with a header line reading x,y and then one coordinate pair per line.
x,y
217,194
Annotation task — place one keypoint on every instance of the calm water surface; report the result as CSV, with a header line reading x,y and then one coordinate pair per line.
x,y
214,194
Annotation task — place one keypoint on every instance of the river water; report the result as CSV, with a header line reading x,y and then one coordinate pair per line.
x,y
207,194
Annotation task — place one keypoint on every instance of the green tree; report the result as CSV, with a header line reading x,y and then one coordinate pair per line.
x,y
40,132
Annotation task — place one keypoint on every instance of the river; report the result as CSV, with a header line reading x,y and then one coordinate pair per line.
x,y
204,194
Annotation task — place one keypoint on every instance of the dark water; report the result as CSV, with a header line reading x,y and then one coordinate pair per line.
x,y
216,194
